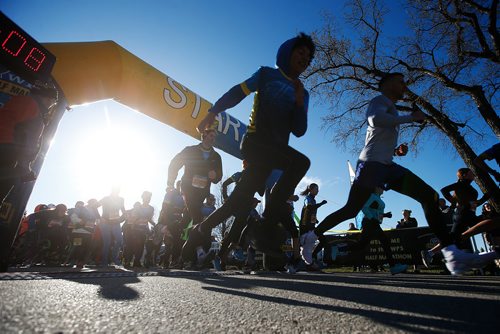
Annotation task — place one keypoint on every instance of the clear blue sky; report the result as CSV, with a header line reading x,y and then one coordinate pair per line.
x,y
208,46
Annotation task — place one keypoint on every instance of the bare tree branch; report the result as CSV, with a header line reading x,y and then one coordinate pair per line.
x,y
451,87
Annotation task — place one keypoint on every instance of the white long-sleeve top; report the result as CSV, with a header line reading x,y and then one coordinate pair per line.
x,y
383,130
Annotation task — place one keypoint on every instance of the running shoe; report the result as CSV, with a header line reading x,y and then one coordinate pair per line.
x,y
426,258
290,268
457,261
398,268
306,251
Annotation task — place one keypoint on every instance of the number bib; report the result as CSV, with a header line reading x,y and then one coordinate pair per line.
x,y
199,181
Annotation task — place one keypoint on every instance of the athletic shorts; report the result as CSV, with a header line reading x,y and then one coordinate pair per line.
x,y
371,174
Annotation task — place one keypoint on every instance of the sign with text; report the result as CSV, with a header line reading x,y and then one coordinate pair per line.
x,y
405,244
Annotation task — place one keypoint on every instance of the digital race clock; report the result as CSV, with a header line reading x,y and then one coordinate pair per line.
x,y
21,54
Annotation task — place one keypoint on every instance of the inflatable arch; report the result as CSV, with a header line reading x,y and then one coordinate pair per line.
x,y
93,71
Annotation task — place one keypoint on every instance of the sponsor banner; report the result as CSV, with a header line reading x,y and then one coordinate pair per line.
x,y
11,84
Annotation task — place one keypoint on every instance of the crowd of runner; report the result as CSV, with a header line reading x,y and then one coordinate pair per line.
x,y
104,232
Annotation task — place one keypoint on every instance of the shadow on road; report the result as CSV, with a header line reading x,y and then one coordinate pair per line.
x,y
431,301
413,303
112,289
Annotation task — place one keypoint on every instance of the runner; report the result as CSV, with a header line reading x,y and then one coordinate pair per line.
x,y
464,200
490,154
373,211
113,214
308,215
202,167
280,108
375,167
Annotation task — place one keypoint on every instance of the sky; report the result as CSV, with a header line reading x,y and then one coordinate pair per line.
x,y
207,46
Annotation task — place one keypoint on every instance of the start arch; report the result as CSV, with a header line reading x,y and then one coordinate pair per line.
x,y
91,71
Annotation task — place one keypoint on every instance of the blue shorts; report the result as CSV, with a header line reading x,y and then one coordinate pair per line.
x,y
371,174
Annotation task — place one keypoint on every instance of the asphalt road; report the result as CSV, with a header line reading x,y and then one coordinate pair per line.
x,y
207,302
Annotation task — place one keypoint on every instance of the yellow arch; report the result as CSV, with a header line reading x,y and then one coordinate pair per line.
x,y
93,71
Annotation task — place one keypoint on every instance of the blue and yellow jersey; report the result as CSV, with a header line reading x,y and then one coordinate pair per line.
x,y
275,113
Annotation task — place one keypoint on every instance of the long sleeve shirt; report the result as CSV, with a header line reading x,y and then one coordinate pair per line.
x,y
463,194
383,130
196,164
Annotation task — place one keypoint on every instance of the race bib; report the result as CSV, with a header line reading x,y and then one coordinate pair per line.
x,y
200,182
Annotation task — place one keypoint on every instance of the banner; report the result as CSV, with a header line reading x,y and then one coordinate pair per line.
x,y
93,71
405,244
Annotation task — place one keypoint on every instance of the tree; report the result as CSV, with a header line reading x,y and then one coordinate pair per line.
x,y
450,57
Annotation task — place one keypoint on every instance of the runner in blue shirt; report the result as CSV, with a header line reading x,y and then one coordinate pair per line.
x,y
279,109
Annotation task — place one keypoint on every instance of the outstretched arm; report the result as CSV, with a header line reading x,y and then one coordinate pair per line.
x,y
483,226
229,100
226,184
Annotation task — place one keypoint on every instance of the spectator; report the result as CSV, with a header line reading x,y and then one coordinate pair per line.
x,y
487,212
352,227
407,221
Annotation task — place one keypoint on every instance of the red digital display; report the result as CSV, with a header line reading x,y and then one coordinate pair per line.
x,y
20,53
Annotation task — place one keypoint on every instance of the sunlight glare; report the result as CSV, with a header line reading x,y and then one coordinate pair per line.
x,y
115,156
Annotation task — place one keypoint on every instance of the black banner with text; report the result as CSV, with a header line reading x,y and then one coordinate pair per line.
x,y
406,245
